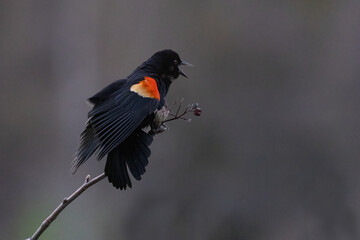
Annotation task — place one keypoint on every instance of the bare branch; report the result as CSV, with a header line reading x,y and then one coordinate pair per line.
x,y
45,224
158,126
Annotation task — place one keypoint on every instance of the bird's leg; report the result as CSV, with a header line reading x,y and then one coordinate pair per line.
x,y
157,125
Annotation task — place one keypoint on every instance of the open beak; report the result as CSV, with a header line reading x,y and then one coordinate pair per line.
x,y
181,72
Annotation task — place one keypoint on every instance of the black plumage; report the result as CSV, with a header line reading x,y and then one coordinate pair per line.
x,y
120,113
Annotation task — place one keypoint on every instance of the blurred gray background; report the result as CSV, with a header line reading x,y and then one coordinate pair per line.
x,y
275,154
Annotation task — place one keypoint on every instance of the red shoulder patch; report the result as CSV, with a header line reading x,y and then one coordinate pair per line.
x,y
146,88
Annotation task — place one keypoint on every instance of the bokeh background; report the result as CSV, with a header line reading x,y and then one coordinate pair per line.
x,y
275,154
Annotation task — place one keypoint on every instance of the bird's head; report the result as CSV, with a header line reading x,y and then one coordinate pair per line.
x,y
167,64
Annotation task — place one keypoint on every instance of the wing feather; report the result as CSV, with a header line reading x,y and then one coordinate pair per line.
x,y
114,122
117,113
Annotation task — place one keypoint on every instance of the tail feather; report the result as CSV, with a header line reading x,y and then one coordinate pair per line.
x,y
145,153
132,153
135,166
133,169
116,168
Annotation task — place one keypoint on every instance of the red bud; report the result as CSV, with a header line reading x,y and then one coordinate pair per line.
x,y
197,111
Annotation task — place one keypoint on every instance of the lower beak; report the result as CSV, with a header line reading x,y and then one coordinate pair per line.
x,y
181,72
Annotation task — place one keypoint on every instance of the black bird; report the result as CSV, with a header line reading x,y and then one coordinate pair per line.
x,y
120,113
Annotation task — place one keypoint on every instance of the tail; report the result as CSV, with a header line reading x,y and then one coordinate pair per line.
x,y
133,153
89,143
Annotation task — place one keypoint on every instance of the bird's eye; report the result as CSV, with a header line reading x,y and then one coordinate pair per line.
x,y
176,62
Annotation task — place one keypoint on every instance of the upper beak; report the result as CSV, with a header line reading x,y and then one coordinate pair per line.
x,y
186,64
181,72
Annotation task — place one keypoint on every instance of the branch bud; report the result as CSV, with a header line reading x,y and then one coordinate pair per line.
x,y
197,111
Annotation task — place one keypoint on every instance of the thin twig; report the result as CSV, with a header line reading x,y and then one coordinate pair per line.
x,y
174,105
181,102
44,225
177,116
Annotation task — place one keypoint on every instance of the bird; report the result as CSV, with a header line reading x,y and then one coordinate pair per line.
x,y
120,114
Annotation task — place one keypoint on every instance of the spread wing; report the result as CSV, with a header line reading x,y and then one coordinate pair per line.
x,y
115,115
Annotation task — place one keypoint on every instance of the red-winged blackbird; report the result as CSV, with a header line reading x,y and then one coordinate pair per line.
x,y
120,113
